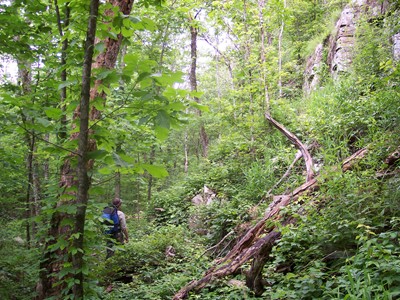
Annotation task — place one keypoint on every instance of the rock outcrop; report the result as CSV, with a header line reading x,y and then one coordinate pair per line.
x,y
341,42
311,74
396,46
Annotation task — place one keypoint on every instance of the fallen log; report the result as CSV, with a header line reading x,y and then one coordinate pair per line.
x,y
251,244
257,247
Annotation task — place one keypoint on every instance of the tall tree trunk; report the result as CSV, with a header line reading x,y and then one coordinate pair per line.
x,y
63,95
83,149
150,182
193,83
280,52
247,55
261,7
71,176
186,152
25,79
117,182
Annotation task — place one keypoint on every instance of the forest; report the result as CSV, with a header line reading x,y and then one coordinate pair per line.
x,y
254,145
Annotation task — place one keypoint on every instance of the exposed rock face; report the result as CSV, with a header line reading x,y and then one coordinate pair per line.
x,y
396,46
311,76
206,197
341,42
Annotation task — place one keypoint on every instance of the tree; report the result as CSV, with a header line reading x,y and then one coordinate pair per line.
x,y
193,78
77,176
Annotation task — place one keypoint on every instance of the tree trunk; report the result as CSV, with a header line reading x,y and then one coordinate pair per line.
x,y
25,79
254,280
193,84
83,149
150,182
280,53
63,95
186,152
292,138
54,258
261,6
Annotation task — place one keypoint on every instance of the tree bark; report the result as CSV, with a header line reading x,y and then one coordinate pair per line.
x,y
280,53
83,149
25,79
54,258
193,84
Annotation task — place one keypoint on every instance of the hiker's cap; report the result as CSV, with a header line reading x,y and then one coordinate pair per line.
x,y
117,202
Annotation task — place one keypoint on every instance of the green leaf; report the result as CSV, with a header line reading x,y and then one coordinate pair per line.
x,y
156,171
105,73
99,47
149,24
66,84
98,154
176,106
131,59
97,190
199,106
161,133
126,32
127,158
53,113
162,119
43,122
106,170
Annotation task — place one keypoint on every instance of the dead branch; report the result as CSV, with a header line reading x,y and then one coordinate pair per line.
x,y
393,157
291,137
219,243
250,244
253,246
351,161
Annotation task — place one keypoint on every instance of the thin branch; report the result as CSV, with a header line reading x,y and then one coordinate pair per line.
x,y
113,111
219,243
47,142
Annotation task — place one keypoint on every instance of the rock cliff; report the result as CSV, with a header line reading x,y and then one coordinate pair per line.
x,y
339,45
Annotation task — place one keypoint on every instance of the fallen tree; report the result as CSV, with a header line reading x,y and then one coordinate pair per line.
x,y
257,243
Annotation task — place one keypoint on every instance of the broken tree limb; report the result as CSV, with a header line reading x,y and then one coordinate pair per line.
x,y
254,245
249,246
352,160
219,243
393,157
291,137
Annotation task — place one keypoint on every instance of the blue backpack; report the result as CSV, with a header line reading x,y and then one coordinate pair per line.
x,y
111,220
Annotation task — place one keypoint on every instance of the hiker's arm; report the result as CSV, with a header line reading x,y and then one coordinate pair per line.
x,y
125,231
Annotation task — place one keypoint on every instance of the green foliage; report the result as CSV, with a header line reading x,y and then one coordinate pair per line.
x,y
345,244
18,263
343,250
150,272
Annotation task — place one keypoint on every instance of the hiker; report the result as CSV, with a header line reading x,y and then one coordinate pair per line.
x,y
120,232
